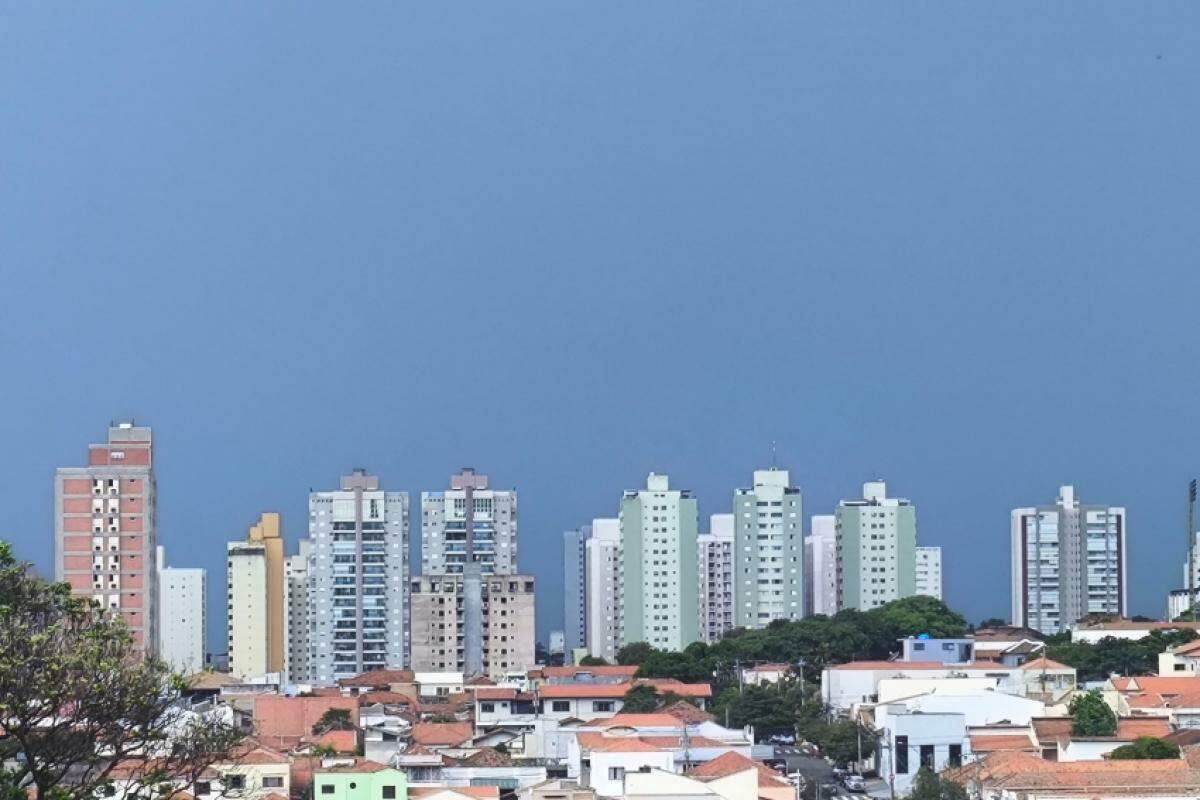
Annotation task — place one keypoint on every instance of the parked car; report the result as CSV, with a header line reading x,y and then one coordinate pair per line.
x,y
855,783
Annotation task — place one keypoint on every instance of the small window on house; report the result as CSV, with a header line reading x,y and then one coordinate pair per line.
x,y
602,705
203,787
487,708
389,793
326,788
956,755
561,705
616,773
235,781
272,782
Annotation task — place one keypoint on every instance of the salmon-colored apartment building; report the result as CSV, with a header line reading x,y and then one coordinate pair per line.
x,y
104,531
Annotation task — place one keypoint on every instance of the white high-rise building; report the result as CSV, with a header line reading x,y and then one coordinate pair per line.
x,y
876,549
182,616
929,571
602,564
1068,561
716,578
820,566
246,598
358,579
297,642
659,594
768,551
493,528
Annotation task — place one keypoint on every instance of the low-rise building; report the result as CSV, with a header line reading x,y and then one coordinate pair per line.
x,y
764,673
358,779
1023,776
1181,660
1091,633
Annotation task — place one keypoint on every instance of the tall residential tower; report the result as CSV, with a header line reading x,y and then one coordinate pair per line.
x,y
602,567
876,549
820,566
716,578
659,588
358,579
1068,561
105,535
574,590
768,551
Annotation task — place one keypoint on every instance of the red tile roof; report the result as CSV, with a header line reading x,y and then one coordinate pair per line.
x,y
1017,772
1043,663
617,690
444,734
656,720
607,671
496,693
382,678
987,743
617,744
732,763
360,765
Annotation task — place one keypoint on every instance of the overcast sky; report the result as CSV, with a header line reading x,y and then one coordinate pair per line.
x,y
949,244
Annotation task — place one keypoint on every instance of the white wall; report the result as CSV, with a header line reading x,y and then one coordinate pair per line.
x,y
181,617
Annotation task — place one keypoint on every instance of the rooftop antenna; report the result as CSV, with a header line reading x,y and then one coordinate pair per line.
x,y
774,455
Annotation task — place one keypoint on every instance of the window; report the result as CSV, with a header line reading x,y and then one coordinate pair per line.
x,y
561,705
487,708
235,781
389,793
602,705
326,788
272,782
203,787
901,749
927,756
616,773
956,755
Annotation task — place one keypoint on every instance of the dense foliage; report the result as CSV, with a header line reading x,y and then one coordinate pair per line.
x,y
1112,656
77,700
928,786
641,699
1091,716
1145,747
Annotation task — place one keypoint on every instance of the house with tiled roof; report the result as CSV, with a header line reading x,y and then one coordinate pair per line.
x,y
1054,739
770,785
1023,776
1180,660
358,779
845,686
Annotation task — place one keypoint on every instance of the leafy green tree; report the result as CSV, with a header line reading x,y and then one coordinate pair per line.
x,y
1145,747
840,741
334,719
641,699
592,661
633,653
77,698
1091,716
929,786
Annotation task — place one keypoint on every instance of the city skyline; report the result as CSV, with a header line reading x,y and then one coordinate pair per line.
x,y
280,250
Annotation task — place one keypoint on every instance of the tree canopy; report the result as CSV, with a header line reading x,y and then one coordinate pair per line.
x,y
1113,656
1091,716
1145,747
641,699
929,786
78,700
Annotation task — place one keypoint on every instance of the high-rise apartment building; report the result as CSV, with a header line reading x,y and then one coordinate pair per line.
x,y
820,566
876,549
469,530
574,591
439,622
602,561
358,579
929,572
182,619
768,551
105,533
716,578
297,643
256,599
659,589
1068,561
246,614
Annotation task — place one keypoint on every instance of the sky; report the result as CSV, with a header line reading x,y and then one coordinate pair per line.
x,y
952,245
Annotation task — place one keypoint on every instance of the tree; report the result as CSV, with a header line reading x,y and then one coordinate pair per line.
x,y
1145,747
1091,716
840,741
641,699
993,622
633,653
334,719
592,661
928,786
80,705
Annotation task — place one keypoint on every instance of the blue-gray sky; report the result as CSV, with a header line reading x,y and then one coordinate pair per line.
x,y
951,244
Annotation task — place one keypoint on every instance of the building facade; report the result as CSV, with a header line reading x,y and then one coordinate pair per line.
x,y
246,608
574,590
876,549
1068,561
439,623
820,566
297,642
105,535
602,567
659,588
716,578
929,572
768,551
182,618
470,530
358,579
